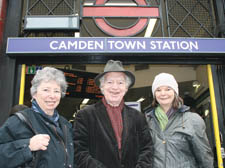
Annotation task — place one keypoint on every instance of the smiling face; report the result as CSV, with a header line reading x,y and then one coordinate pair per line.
x,y
165,96
114,87
48,96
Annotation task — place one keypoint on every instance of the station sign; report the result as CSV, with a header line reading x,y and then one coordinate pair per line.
x,y
40,46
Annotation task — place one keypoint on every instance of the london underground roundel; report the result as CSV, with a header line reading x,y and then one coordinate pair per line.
x,y
99,12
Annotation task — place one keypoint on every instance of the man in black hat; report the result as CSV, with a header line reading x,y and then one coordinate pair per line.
x,y
110,134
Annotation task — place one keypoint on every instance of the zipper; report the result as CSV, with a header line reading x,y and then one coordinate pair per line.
x,y
165,143
62,142
161,134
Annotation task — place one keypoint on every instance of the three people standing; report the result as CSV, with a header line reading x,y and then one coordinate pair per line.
x,y
108,134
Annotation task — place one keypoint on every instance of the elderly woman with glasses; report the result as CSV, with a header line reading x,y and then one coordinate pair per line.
x,y
53,141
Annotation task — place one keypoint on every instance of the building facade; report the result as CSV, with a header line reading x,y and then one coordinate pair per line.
x,y
182,37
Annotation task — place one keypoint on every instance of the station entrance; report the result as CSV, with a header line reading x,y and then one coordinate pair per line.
x,y
192,80
196,65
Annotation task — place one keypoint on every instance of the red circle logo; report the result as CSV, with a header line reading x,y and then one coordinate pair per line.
x,y
100,11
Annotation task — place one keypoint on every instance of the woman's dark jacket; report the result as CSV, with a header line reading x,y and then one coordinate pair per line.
x,y
15,137
96,145
183,143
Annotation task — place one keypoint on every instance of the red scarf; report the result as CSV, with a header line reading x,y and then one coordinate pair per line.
x,y
115,115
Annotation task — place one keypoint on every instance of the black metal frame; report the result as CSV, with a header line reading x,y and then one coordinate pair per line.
x,y
219,6
176,26
176,22
9,69
219,89
51,9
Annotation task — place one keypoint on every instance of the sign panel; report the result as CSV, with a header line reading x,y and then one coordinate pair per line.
x,y
114,45
81,84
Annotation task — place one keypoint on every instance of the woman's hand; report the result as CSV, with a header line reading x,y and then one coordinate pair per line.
x,y
39,142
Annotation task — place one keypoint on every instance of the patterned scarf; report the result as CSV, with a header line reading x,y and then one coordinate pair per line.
x,y
53,118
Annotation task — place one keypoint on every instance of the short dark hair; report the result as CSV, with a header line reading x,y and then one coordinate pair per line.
x,y
176,102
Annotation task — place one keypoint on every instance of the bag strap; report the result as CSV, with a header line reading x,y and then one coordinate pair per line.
x,y
22,116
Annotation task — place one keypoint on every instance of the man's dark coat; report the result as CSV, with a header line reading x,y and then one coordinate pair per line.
x,y
96,146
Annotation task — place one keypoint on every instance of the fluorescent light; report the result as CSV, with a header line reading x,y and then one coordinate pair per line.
x,y
118,3
196,84
141,99
206,112
85,101
74,114
77,34
51,22
88,4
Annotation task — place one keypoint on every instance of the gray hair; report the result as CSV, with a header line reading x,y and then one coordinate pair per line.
x,y
127,79
49,74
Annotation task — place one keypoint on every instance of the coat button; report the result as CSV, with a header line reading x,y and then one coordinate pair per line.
x,y
164,142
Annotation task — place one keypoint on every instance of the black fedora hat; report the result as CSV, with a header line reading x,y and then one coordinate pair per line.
x,y
115,66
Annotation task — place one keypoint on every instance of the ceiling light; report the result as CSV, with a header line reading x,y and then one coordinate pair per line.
x,y
196,84
85,101
206,112
141,99
71,121
74,114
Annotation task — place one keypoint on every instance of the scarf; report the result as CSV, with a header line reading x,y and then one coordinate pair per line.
x,y
162,117
115,115
54,118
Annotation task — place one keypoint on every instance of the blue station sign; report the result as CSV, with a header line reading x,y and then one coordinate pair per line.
x,y
114,45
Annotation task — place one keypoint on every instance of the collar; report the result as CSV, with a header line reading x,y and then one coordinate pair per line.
x,y
38,109
121,105
182,109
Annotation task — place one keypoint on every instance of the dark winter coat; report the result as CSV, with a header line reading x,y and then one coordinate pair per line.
x,y
96,145
183,143
15,137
